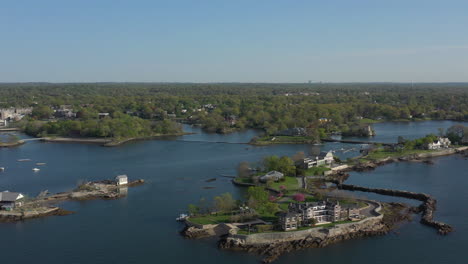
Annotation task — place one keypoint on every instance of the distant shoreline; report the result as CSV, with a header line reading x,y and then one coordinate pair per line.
x,y
107,142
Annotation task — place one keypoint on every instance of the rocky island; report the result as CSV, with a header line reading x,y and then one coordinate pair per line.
x,y
15,206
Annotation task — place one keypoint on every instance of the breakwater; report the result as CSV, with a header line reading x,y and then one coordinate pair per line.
x,y
427,208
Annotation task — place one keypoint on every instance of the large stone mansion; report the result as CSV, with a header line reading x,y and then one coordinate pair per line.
x,y
309,214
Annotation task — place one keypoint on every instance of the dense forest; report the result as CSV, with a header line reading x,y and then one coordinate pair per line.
x,y
225,107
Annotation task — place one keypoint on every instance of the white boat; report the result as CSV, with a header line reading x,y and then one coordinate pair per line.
x,y
182,217
36,169
2,169
23,160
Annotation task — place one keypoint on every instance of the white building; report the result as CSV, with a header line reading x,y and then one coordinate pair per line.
x,y
10,200
121,180
440,143
324,158
272,175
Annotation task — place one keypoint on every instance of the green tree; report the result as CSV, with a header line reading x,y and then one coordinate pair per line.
x,y
42,112
224,202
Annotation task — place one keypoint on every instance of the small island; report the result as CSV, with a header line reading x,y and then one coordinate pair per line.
x,y
10,140
15,206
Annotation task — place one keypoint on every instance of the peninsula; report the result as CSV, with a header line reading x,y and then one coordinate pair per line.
x,y
290,203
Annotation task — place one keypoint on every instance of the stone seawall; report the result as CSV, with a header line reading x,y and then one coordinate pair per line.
x,y
370,165
272,245
321,233
428,207
193,230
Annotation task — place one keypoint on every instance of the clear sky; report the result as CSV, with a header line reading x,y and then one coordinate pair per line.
x,y
233,40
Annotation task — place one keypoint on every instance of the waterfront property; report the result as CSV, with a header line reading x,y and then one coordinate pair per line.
x,y
292,132
121,180
10,200
272,176
12,113
308,214
440,143
324,158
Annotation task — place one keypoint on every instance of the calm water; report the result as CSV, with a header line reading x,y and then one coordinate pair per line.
x,y
389,131
140,228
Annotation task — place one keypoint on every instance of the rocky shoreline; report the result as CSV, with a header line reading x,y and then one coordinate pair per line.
x,y
11,144
271,245
419,157
40,212
41,207
274,245
427,208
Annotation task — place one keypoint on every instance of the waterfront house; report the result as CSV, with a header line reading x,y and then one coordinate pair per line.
x,y
292,132
231,119
308,214
324,158
290,221
10,200
272,175
440,143
13,113
121,180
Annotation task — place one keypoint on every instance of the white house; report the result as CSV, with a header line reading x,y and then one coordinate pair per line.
x,y
324,158
121,180
272,175
10,200
440,143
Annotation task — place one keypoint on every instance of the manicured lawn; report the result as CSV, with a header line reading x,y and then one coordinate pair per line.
x,y
316,171
290,183
381,154
226,218
352,202
210,219
243,180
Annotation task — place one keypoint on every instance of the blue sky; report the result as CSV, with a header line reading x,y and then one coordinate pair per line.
x,y
233,41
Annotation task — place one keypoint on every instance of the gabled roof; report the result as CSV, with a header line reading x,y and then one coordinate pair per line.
x,y
121,177
274,173
323,154
7,196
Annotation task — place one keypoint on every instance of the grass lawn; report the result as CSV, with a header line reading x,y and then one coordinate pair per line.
x,y
243,180
381,154
211,219
316,171
352,202
290,183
